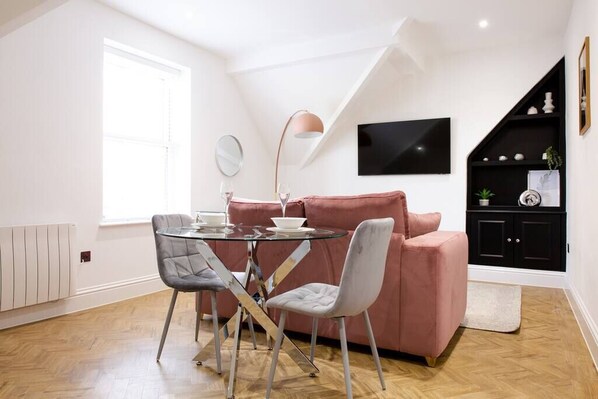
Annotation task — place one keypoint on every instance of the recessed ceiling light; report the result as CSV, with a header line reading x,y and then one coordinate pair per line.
x,y
483,23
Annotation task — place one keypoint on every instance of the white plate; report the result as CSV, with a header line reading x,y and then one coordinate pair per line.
x,y
210,226
300,230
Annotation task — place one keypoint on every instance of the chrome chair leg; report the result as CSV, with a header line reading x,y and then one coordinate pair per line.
x,y
216,333
343,336
277,345
314,336
251,330
167,323
368,326
198,297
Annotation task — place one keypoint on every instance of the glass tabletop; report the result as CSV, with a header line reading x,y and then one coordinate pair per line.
x,y
252,233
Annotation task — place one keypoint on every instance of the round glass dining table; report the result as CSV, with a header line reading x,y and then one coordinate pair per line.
x,y
252,233
254,305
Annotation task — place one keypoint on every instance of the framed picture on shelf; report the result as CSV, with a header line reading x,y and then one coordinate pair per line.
x,y
584,87
547,183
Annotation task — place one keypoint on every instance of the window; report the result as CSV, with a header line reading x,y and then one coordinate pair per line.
x,y
146,141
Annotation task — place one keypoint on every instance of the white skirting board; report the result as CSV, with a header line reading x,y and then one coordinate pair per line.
x,y
83,299
588,327
509,275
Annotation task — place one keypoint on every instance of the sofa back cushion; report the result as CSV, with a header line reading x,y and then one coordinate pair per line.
x,y
423,223
346,212
251,212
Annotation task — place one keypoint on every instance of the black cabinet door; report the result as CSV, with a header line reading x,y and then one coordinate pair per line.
x,y
538,242
491,239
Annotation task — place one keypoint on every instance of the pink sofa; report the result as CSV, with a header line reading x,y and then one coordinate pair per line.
x,y
424,294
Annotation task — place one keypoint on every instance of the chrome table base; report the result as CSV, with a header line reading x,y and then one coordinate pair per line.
x,y
249,306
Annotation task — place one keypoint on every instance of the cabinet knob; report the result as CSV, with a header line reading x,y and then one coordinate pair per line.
x,y
517,240
508,240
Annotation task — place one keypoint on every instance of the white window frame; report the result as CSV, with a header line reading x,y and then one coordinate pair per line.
x,y
176,142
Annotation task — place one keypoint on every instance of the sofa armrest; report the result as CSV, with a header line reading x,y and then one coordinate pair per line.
x,y
433,291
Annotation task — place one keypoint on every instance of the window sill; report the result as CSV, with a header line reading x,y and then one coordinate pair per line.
x,y
113,223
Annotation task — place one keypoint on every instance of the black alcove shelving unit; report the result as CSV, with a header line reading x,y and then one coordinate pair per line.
x,y
505,233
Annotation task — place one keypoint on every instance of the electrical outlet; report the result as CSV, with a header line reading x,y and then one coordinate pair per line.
x,y
85,256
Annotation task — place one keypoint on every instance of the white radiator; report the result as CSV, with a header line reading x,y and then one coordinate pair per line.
x,y
36,264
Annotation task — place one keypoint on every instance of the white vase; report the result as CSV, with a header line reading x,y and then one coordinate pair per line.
x,y
484,202
548,107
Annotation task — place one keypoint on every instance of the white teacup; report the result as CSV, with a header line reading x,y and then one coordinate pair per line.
x,y
212,218
288,223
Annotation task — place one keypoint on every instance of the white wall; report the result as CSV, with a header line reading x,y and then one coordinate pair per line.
x,y
475,89
51,134
582,172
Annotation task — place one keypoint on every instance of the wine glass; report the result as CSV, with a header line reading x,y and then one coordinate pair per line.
x,y
284,193
226,193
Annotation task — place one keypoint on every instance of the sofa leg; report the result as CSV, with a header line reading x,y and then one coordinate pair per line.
x,y
431,361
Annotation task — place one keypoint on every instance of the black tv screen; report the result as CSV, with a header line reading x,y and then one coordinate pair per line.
x,y
404,148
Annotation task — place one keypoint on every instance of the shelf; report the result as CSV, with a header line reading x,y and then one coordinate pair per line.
x,y
535,116
516,209
525,162
542,228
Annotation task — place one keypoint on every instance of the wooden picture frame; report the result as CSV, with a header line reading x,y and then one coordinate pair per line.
x,y
584,87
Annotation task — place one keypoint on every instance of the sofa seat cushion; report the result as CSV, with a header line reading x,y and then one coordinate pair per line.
x,y
257,213
346,212
423,223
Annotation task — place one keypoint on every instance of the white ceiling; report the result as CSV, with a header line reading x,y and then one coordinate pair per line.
x,y
236,28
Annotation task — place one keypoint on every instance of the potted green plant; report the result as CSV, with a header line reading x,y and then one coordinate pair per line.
x,y
484,195
553,159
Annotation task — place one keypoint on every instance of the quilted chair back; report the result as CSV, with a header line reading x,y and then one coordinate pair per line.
x,y
363,272
177,257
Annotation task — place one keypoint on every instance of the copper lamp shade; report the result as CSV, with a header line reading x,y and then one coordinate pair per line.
x,y
307,125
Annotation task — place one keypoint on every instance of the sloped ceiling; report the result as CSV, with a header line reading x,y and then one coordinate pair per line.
x,y
273,95
16,13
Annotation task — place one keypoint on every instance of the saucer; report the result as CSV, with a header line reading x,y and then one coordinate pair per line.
x,y
300,230
210,226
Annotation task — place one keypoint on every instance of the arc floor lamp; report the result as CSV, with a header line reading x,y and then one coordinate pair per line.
x,y
305,125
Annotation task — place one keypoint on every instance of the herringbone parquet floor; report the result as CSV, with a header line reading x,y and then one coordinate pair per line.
x,y
109,352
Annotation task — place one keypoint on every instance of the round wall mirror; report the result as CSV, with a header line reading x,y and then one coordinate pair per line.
x,y
229,155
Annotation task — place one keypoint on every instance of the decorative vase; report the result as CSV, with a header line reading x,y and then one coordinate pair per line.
x,y
519,157
548,107
532,111
484,202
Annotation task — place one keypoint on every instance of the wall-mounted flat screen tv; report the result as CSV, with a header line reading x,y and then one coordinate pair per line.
x,y
404,148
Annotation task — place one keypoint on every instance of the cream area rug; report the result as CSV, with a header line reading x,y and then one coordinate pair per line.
x,y
493,307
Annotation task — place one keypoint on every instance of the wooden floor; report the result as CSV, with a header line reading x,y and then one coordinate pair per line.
x,y
109,352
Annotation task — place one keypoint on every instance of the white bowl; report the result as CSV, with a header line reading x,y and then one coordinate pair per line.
x,y
212,218
288,223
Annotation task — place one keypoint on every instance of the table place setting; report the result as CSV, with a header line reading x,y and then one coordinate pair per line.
x,y
289,225
213,220
210,220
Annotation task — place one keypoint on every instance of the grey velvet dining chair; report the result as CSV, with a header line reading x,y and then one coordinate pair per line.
x,y
182,268
360,284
